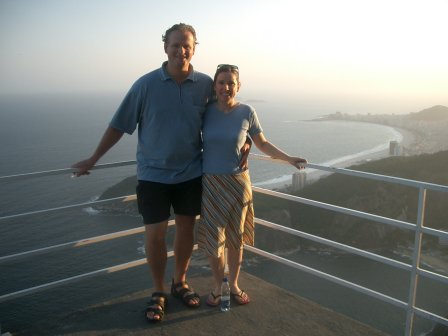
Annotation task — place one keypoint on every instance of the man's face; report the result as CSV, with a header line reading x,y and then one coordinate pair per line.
x,y
180,48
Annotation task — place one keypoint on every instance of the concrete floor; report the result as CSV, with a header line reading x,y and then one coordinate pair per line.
x,y
272,311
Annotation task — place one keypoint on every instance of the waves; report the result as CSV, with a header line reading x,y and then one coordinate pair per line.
x,y
91,210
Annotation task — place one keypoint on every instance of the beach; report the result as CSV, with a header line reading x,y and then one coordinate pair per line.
x,y
428,139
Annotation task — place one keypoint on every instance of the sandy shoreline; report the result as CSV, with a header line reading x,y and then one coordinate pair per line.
x,y
409,140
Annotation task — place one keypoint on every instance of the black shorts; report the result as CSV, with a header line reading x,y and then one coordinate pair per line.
x,y
156,199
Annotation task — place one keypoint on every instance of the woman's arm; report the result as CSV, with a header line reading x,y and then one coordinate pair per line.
x,y
269,149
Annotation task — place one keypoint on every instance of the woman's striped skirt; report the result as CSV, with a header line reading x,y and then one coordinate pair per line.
x,y
227,214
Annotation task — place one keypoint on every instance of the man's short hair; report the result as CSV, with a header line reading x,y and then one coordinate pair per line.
x,y
183,27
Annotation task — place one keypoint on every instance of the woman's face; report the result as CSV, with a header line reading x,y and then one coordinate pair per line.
x,y
226,86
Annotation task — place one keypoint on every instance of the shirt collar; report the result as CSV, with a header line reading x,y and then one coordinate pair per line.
x,y
164,75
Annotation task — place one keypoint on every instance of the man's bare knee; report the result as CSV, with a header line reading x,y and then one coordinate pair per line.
x,y
185,222
155,233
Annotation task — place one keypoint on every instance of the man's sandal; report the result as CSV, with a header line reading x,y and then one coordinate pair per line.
x,y
241,298
185,294
157,306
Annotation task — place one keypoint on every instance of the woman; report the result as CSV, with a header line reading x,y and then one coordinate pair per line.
x,y
227,216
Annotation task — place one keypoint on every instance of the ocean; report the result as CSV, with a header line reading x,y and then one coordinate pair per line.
x,y
46,132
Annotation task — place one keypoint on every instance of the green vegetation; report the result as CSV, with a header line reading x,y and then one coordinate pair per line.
x,y
123,188
379,198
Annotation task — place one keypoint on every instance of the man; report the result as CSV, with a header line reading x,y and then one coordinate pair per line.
x,y
167,105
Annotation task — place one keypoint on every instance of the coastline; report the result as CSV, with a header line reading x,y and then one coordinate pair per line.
x,y
421,132
411,143
407,144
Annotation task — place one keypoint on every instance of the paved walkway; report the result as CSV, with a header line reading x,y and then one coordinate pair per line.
x,y
273,311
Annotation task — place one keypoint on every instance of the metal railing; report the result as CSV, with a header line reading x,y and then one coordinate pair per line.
x,y
413,268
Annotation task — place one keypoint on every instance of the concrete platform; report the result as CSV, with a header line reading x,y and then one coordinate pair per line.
x,y
272,311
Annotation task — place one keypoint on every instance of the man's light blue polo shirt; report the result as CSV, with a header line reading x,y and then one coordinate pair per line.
x,y
169,118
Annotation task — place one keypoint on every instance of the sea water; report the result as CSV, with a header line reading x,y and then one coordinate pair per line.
x,y
40,133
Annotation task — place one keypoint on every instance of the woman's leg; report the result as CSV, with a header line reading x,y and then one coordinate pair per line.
x,y
217,265
235,259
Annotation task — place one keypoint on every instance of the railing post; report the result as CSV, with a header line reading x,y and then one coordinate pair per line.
x,y
415,261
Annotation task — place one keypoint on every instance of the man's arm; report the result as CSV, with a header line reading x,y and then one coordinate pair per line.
x,y
110,137
244,163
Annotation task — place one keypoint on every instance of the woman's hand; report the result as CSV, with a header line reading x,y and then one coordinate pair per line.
x,y
298,162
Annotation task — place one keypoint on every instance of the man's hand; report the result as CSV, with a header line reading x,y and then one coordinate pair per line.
x,y
83,167
110,137
244,163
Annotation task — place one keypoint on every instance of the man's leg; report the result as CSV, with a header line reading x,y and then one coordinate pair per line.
x,y
156,252
183,247
155,247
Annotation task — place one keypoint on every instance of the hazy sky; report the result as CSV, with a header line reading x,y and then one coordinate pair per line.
x,y
376,55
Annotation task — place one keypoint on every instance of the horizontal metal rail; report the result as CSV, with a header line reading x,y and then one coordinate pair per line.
x,y
75,278
72,279
351,249
360,214
327,242
348,284
71,206
125,233
430,316
378,177
414,269
351,212
327,276
63,171
432,275
357,173
75,243
139,262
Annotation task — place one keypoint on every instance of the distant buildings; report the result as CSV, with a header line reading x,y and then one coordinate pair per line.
x,y
395,148
298,180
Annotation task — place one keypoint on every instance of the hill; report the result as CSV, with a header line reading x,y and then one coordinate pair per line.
x,y
434,113
428,126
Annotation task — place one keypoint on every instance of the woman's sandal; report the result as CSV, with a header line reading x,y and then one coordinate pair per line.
x,y
186,294
241,298
157,306
213,303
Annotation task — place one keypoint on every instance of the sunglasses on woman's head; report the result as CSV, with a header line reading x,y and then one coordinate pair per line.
x,y
228,66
